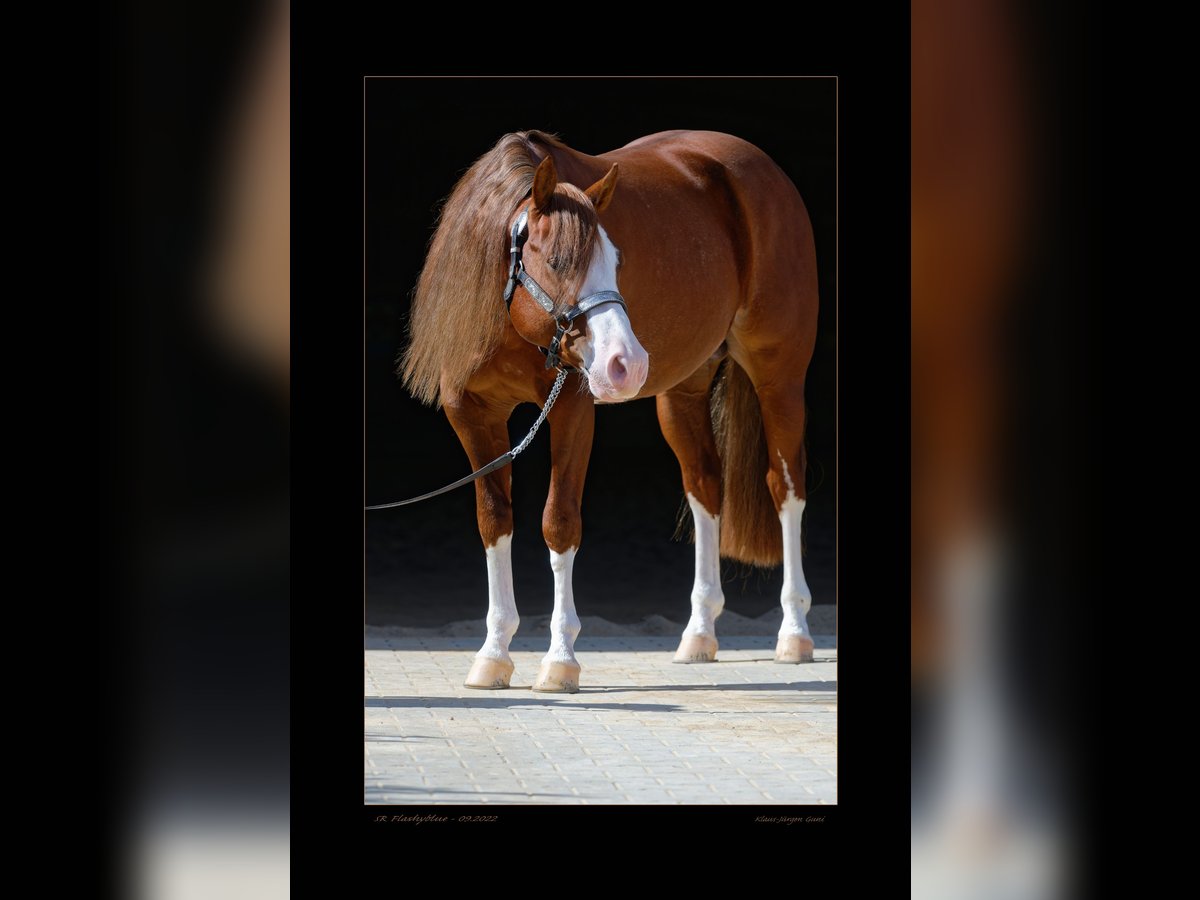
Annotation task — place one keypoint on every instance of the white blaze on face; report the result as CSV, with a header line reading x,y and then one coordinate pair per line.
x,y
615,362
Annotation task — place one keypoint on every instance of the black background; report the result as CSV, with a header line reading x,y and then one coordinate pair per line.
x,y
328,435
424,562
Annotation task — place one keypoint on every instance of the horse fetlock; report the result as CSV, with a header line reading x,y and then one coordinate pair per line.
x,y
707,605
796,604
568,626
502,626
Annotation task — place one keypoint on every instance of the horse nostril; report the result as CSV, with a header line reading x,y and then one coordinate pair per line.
x,y
617,371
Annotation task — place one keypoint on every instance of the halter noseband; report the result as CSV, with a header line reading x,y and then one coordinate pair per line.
x,y
517,273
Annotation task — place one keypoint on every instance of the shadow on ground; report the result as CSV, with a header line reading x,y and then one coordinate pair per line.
x,y
512,700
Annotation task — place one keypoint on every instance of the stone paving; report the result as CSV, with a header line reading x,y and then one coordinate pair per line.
x,y
743,730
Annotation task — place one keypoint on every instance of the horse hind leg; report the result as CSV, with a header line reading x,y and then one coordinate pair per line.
x,y
783,413
683,413
776,372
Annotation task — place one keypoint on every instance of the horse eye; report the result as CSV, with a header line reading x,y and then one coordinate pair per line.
x,y
553,262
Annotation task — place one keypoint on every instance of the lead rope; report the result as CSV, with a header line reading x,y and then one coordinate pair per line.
x,y
495,464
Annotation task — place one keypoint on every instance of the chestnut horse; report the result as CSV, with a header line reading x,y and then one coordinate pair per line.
x,y
716,318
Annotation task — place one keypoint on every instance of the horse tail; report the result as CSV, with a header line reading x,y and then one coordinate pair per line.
x,y
750,529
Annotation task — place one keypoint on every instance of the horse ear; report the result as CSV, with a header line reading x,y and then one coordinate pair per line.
x,y
545,179
601,192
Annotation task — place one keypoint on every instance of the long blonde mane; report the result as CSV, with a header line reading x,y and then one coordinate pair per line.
x,y
458,317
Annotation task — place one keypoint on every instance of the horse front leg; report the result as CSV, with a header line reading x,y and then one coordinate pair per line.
x,y
683,414
572,423
482,429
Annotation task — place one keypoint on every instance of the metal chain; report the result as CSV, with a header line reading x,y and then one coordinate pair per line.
x,y
495,464
558,383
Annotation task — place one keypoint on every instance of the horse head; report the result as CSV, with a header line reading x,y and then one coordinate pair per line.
x,y
570,256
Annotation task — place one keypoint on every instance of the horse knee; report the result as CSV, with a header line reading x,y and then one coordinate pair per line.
x,y
494,511
562,526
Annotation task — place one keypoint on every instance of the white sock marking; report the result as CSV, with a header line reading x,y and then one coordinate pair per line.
x,y
564,623
787,476
707,597
502,618
796,598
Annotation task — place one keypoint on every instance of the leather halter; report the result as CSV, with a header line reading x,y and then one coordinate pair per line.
x,y
517,274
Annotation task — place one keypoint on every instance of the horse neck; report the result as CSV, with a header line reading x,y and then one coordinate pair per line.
x,y
573,167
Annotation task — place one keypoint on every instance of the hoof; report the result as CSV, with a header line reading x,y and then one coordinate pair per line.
x,y
696,648
558,678
489,674
794,648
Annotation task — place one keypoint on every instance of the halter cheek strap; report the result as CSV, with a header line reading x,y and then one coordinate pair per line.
x,y
518,275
